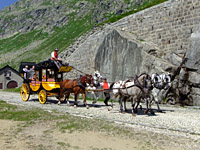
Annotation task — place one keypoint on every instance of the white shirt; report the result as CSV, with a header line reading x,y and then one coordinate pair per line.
x,y
25,72
52,55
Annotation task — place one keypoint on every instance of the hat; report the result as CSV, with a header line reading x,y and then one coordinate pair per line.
x,y
56,49
105,79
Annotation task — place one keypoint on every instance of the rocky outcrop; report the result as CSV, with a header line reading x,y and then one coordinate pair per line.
x,y
120,56
192,65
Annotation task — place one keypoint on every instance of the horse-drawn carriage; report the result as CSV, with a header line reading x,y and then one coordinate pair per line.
x,y
45,81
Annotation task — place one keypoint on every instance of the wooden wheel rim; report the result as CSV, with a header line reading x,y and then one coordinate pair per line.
x,y
25,92
42,96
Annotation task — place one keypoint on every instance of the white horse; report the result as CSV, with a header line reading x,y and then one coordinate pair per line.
x,y
132,89
96,84
161,83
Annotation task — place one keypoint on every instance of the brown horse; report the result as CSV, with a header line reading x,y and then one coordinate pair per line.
x,y
75,86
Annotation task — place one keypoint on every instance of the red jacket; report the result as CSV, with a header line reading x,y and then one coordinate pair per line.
x,y
105,85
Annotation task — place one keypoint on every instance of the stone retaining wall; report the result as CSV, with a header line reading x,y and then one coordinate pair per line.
x,y
168,25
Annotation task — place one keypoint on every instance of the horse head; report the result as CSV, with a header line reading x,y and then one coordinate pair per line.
x,y
97,78
157,81
166,78
86,79
145,81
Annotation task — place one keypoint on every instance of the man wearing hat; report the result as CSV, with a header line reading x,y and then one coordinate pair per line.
x,y
55,57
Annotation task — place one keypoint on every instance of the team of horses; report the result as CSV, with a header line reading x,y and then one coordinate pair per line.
x,y
143,88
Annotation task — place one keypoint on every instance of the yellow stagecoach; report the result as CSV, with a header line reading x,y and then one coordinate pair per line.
x,y
45,80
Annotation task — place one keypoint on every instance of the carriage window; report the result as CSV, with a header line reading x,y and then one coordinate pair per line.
x,y
43,73
37,75
59,77
51,73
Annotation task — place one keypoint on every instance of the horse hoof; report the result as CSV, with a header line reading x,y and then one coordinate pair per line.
x,y
75,106
109,109
123,112
59,102
68,105
133,114
87,107
145,112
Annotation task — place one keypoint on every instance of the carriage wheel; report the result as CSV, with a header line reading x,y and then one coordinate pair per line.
x,y
42,96
25,92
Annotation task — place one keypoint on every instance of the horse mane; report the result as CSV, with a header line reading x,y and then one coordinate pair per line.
x,y
111,85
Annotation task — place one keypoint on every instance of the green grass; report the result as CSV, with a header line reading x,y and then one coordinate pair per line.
x,y
61,38
20,41
145,5
13,90
17,113
11,112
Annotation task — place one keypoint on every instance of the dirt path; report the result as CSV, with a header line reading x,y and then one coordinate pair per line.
x,y
175,128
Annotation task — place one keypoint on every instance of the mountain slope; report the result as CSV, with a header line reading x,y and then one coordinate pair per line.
x,y
31,29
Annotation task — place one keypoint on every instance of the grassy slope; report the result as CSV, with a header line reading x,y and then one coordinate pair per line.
x,y
61,38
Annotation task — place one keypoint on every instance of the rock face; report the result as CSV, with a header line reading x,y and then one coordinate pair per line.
x,y
193,52
193,65
120,57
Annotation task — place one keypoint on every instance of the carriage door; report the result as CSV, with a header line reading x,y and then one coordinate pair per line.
x,y
51,75
35,83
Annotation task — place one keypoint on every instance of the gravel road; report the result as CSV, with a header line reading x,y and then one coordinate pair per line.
x,y
173,121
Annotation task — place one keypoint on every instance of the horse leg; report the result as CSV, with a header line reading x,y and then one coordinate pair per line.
x,y
112,101
136,107
61,95
159,110
94,99
147,105
84,100
150,104
157,103
125,109
121,105
67,98
75,99
133,104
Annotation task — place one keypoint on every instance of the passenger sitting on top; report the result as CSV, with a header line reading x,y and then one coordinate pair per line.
x,y
55,57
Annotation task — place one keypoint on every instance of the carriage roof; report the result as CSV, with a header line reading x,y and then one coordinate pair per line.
x,y
47,64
